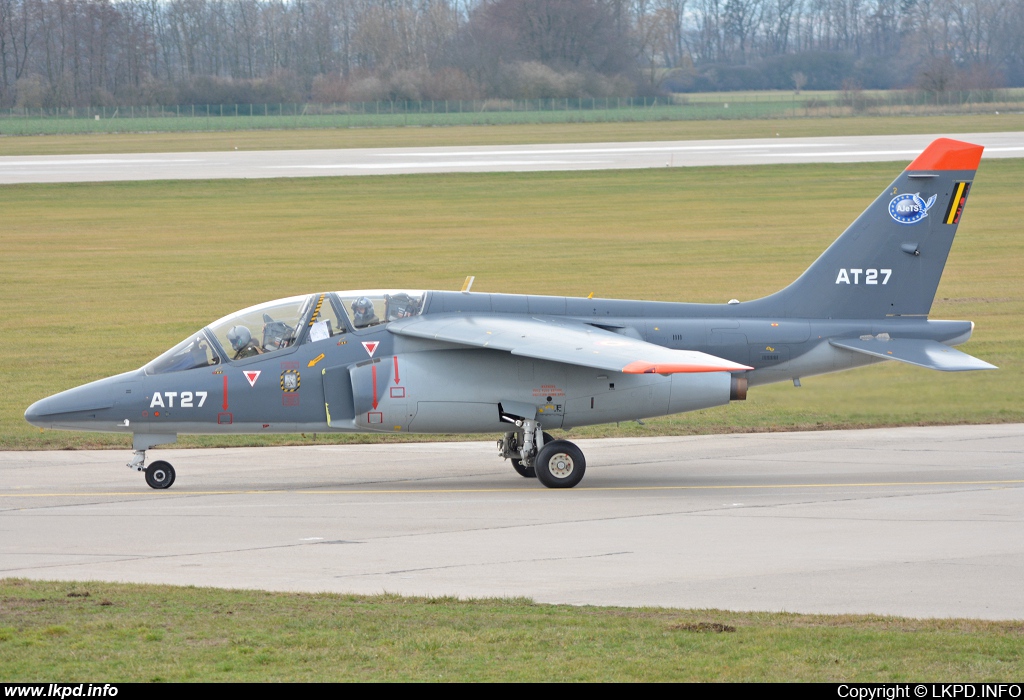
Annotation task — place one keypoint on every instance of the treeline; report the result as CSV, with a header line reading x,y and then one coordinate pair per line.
x,y
60,53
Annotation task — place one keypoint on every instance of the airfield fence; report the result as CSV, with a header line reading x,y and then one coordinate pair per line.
x,y
385,113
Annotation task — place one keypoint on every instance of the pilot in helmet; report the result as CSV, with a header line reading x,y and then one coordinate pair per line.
x,y
242,342
362,313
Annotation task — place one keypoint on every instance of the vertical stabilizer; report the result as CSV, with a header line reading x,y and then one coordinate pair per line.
x,y
889,261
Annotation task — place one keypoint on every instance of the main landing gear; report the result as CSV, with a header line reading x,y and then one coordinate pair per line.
x,y
159,474
558,464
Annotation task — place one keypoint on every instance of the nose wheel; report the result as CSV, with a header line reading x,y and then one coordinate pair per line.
x,y
160,475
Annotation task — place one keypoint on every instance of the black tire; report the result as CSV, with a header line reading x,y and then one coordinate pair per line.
x,y
160,475
560,465
528,472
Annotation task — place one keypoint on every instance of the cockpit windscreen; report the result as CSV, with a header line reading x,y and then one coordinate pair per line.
x,y
194,351
261,329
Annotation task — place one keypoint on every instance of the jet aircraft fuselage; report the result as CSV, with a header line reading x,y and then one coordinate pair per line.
x,y
407,361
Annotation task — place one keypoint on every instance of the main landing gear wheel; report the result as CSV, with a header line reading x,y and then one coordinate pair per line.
x,y
560,465
528,472
160,475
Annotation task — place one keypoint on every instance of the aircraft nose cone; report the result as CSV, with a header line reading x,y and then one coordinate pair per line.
x,y
44,412
77,407
34,413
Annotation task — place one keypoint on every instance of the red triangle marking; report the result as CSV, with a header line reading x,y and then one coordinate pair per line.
x,y
252,376
371,347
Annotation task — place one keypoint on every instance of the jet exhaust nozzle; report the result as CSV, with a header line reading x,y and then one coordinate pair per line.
x,y
738,389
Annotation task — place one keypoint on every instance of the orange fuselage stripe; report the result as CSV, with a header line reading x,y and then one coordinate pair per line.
x,y
670,368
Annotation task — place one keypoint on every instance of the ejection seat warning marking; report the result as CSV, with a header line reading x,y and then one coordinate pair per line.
x,y
290,380
371,347
251,375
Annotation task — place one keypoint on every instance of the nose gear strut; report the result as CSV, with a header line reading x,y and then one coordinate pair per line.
x,y
159,474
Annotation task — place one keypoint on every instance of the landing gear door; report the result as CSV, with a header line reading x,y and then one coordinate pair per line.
x,y
338,397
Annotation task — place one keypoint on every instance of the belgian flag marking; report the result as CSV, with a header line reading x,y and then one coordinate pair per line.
x,y
957,202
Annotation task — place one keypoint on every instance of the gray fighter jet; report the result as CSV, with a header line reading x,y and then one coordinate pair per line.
x,y
462,362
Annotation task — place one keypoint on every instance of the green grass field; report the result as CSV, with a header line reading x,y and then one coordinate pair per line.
x,y
116,633
100,278
482,135
720,108
741,105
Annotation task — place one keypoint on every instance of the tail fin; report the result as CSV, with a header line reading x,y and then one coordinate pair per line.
x,y
889,261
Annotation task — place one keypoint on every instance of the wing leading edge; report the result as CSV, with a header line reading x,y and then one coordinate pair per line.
x,y
566,341
923,353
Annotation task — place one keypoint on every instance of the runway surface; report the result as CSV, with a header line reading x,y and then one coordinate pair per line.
x,y
923,522
393,161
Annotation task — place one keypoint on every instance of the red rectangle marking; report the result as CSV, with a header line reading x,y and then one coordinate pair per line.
x,y
398,392
374,417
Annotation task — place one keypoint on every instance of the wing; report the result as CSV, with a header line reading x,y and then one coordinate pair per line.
x,y
571,342
923,353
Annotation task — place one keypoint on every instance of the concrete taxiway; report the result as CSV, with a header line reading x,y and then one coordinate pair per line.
x,y
912,521
393,161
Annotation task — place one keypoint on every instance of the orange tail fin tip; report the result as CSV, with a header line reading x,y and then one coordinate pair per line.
x,y
948,154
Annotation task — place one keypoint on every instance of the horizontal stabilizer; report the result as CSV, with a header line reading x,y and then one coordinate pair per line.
x,y
561,340
923,353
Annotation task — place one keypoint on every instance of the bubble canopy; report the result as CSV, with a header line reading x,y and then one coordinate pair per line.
x,y
274,326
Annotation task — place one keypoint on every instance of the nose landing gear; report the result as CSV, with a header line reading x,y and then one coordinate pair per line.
x,y
159,474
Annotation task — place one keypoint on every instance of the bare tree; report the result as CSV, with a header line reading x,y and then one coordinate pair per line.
x,y
777,21
672,16
76,52
742,17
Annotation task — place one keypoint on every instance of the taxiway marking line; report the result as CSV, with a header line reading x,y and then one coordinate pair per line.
x,y
330,492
